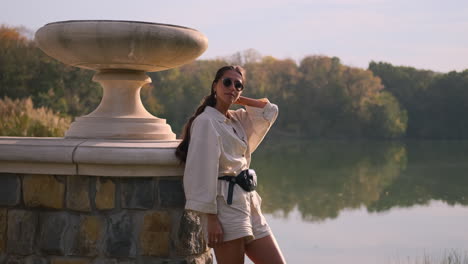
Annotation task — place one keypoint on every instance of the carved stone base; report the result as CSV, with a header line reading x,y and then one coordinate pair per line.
x,y
120,128
121,114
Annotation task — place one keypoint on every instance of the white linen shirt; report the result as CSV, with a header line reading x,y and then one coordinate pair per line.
x,y
223,146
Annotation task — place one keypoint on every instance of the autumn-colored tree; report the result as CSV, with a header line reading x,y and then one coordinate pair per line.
x,y
337,100
25,71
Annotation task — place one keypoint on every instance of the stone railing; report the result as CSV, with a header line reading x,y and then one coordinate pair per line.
x,y
95,201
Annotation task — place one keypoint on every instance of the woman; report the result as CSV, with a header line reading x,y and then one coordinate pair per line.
x,y
218,142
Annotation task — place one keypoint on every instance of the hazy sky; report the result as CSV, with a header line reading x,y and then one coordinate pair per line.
x,y
425,34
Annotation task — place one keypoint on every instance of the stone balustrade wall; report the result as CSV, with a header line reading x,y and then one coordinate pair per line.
x,y
56,219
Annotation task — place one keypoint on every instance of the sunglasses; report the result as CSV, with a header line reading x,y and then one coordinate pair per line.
x,y
227,82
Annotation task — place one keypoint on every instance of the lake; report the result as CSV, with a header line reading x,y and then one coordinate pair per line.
x,y
365,201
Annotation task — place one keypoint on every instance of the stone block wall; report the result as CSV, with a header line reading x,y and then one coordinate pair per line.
x,y
49,219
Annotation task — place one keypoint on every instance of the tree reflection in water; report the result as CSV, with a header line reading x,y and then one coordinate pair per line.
x,y
322,178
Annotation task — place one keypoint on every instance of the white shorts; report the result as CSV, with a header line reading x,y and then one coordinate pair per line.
x,y
248,223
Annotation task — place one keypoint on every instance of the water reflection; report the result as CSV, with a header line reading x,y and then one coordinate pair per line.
x,y
322,178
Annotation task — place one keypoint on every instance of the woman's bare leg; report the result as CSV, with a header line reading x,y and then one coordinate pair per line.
x,y
265,250
230,252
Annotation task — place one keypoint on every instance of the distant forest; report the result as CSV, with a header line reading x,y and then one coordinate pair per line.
x,y
318,97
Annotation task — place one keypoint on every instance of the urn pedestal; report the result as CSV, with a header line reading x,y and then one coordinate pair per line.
x,y
121,52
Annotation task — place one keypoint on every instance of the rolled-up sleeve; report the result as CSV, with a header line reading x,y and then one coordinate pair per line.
x,y
256,122
201,167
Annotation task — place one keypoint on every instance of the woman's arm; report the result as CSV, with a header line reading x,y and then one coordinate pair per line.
x,y
201,167
256,118
201,175
246,101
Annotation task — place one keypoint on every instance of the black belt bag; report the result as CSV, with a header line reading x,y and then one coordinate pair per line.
x,y
247,180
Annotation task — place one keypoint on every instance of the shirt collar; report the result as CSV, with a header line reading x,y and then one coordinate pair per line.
x,y
213,112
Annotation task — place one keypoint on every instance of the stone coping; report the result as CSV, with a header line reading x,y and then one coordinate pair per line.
x,y
99,157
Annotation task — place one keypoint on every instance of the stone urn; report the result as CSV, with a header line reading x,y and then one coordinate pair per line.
x,y
121,52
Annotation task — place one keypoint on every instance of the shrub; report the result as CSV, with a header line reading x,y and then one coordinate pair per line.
x,y
20,118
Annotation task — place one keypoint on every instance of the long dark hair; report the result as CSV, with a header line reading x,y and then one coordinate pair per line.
x,y
209,100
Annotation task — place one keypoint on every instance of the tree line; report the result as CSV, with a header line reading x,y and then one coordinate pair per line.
x,y
319,97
